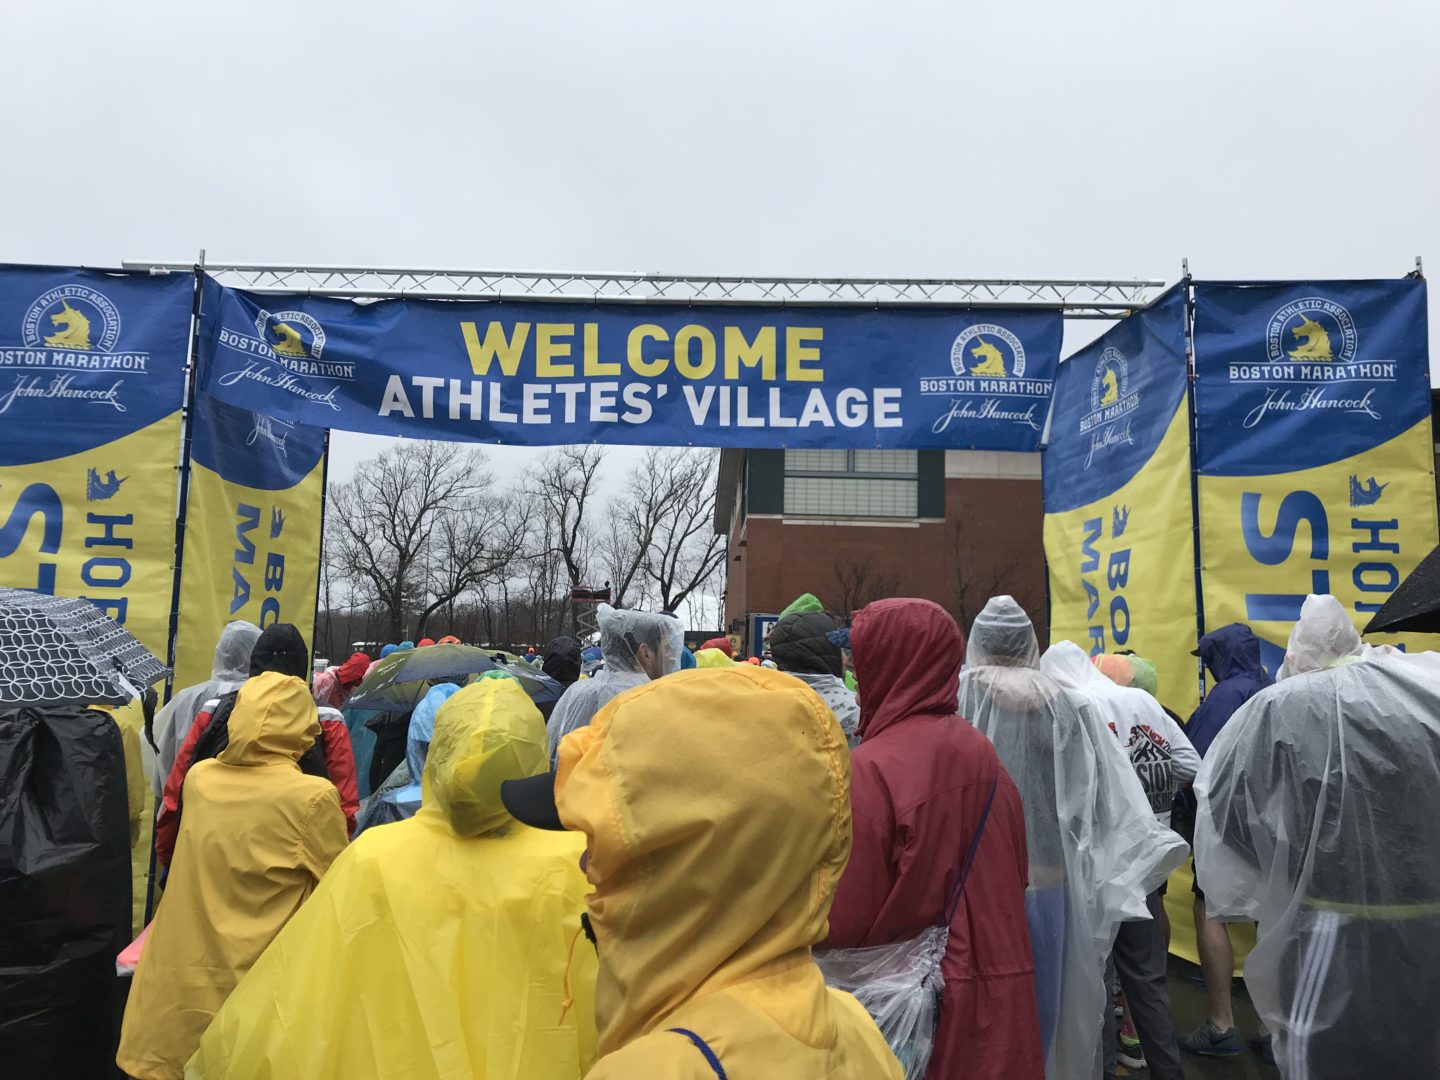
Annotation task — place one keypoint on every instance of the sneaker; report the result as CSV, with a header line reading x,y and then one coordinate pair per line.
x,y
1129,1053
1209,1041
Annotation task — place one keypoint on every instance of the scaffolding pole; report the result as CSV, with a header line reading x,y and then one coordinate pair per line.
x,y
1098,299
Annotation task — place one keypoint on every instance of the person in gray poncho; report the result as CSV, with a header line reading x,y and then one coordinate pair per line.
x,y
1317,810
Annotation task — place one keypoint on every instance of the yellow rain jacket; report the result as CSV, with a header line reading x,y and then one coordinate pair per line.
x,y
257,836
717,806
437,946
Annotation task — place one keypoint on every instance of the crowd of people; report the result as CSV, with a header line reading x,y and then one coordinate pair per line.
x,y
880,848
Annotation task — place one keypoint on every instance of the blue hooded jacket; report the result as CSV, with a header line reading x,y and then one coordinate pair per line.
x,y
1232,653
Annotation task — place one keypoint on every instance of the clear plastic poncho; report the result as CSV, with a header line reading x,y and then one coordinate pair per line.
x,y
230,668
1154,744
622,632
1095,848
1316,819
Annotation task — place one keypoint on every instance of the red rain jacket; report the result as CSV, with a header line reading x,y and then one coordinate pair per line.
x,y
339,763
920,779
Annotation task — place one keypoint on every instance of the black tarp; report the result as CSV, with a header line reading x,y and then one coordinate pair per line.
x,y
64,891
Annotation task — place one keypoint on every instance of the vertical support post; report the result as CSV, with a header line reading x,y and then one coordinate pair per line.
x,y
320,554
1194,468
187,430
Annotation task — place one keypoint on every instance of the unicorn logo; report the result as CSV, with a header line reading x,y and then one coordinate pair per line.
x,y
1311,330
98,490
1119,519
992,352
991,362
291,335
76,329
288,342
1366,494
1110,392
1314,341
277,523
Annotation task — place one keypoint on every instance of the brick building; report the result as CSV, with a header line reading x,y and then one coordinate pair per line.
x,y
851,526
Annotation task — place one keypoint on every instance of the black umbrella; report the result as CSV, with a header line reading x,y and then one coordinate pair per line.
x,y
1414,606
59,651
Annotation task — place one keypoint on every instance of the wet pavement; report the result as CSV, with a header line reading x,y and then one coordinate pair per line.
x,y
1187,1000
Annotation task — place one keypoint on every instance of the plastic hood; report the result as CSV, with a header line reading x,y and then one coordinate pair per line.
x,y
232,652
680,810
1002,636
1323,637
274,720
485,734
622,630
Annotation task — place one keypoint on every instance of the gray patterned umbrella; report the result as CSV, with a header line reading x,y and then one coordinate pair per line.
x,y
59,651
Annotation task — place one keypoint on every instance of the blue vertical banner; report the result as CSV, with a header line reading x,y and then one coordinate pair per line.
x,y
252,529
1118,509
1316,457
92,383
536,374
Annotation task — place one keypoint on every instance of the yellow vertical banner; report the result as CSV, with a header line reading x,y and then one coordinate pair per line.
x,y
92,380
1317,469
1119,517
252,529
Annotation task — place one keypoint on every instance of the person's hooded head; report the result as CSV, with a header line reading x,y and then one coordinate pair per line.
x,y
449,639
353,670
425,642
799,643
274,720
1002,636
1232,651
713,658
640,641
562,660
386,650
721,643
422,727
231,666
405,646
280,648
1323,637
679,811
485,734
907,660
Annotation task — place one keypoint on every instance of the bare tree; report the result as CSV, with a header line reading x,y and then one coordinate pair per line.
x,y
683,550
468,546
858,583
980,569
382,522
564,490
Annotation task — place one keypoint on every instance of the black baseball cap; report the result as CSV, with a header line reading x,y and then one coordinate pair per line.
x,y
531,801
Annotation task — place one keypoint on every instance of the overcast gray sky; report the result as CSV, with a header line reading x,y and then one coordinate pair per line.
x,y
1260,139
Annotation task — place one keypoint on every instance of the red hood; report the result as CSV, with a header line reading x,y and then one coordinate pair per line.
x,y
907,657
353,670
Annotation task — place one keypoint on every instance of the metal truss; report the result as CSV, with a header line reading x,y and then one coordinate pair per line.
x,y
1076,299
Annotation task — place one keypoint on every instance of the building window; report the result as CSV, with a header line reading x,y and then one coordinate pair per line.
x,y
851,483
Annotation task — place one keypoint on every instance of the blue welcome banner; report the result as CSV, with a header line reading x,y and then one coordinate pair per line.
x,y
535,374
1316,457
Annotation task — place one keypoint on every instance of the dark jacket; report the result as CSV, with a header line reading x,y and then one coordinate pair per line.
x,y
798,643
920,781
64,891
562,660
1232,653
